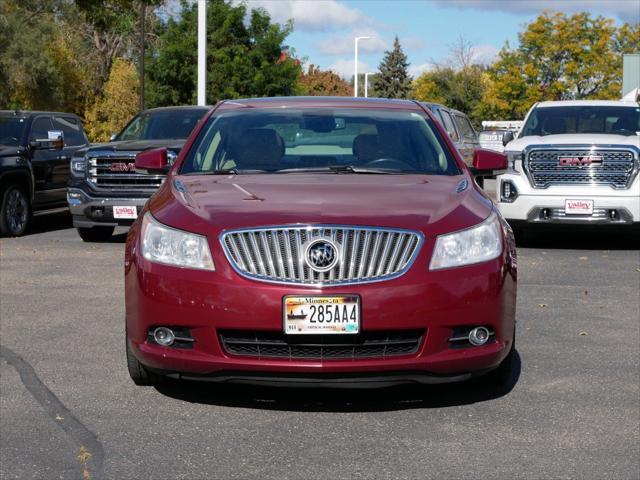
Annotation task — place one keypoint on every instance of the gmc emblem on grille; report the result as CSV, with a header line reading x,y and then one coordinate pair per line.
x,y
585,161
123,167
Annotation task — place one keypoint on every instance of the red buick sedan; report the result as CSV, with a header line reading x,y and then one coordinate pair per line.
x,y
320,241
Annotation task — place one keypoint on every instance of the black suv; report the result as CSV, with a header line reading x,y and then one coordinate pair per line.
x,y
35,151
104,188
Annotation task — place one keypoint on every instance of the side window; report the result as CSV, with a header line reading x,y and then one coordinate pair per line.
x,y
70,126
448,123
39,128
465,127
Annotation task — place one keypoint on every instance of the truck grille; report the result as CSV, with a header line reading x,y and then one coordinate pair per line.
x,y
372,345
364,254
617,168
117,172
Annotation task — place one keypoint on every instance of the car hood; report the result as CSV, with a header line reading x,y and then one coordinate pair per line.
x,y
6,151
135,145
210,204
520,144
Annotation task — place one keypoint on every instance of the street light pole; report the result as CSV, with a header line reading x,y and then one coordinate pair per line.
x,y
202,52
366,83
355,64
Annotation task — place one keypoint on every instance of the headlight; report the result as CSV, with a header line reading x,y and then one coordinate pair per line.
x,y
477,244
162,244
78,166
512,158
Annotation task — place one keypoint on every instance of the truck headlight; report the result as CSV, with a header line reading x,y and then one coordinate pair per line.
x,y
512,158
78,166
162,244
479,243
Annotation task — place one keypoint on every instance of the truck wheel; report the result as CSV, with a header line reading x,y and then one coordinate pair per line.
x,y
14,211
138,373
96,234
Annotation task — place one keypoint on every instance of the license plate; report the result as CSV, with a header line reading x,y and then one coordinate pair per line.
x,y
493,138
125,212
578,207
333,314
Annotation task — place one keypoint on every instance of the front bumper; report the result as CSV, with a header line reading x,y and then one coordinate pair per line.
x,y
207,303
538,206
89,211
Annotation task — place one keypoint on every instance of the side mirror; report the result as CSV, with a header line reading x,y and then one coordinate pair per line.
x,y
506,138
113,137
155,159
54,141
488,162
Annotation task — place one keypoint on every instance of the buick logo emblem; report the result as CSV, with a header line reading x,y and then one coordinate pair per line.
x,y
321,255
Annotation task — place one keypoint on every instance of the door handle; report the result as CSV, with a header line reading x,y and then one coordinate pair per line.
x,y
62,157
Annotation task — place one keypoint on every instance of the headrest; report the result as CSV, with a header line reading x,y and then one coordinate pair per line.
x,y
259,148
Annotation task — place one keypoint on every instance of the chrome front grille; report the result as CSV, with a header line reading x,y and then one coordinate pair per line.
x,y
364,254
117,172
618,168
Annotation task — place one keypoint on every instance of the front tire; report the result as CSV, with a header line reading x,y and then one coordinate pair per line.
x,y
95,234
14,211
138,372
501,376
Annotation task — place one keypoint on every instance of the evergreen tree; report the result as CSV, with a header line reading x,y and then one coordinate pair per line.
x,y
394,80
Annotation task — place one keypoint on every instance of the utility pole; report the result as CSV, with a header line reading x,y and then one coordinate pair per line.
x,y
142,14
355,64
202,52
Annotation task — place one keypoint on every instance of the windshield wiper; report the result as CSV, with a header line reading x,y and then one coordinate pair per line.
x,y
339,169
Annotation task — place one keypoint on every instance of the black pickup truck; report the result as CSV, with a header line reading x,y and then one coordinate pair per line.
x,y
35,151
104,188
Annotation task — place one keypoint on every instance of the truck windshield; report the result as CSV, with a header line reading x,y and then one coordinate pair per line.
x,y
622,120
331,140
168,124
11,130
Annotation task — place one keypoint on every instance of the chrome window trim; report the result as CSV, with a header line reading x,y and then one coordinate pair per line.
x,y
635,152
322,284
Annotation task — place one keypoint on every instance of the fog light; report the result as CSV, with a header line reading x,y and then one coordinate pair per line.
x,y
508,191
613,215
164,336
478,336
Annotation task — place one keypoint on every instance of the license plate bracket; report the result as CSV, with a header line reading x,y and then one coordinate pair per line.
x,y
321,314
129,212
578,207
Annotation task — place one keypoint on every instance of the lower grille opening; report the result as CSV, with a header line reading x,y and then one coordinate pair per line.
x,y
370,345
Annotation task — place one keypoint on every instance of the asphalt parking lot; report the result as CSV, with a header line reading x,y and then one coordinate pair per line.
x,y
68,408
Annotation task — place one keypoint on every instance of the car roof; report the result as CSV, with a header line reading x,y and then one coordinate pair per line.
x,y
587,103
32,113
345,102
203,108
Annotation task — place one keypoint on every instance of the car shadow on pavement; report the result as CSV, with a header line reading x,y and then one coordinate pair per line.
x,y
339,400
580,238
49,223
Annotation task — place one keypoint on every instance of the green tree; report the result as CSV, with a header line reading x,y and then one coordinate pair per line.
x,y
394,80
41,63
118,103
322,82
244,59
559,57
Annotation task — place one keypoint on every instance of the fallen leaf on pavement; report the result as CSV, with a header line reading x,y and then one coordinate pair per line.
x,y
583,334
584,258
543,305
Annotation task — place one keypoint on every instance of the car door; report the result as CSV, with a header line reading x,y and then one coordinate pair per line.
x,y
468,137
46,190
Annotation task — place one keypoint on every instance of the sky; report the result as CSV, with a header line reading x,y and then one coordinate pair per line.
x,y
324,29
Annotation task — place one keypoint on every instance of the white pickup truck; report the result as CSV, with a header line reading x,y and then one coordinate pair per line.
x,y
573,162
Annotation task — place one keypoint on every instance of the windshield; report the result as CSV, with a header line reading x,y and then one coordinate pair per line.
x,y
161,125
11,129
583,119
322,139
